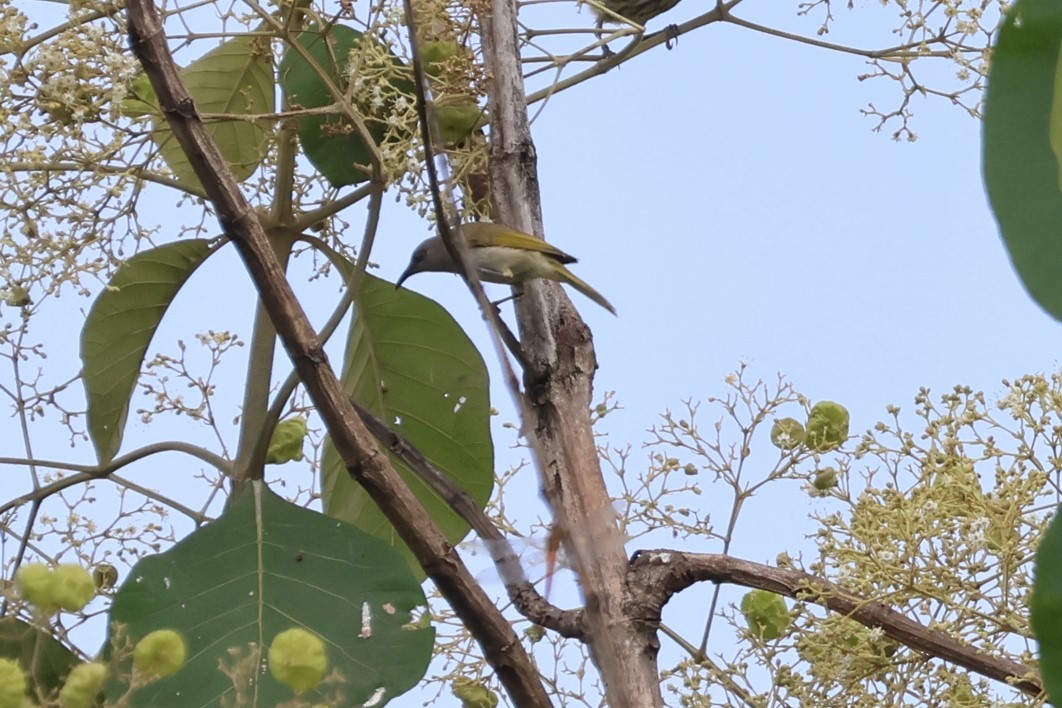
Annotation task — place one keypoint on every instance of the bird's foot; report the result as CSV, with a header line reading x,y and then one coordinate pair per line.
x,y
671,35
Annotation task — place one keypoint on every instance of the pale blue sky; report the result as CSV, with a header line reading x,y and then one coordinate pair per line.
x,y
733,204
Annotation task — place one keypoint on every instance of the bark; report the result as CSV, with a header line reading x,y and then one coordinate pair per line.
x,y
559,362
662,573
365,461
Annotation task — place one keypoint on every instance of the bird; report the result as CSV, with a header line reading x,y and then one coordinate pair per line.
x,y
502,255
634,11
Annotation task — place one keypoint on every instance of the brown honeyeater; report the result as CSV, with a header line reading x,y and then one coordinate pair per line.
x,y
636,11
502,255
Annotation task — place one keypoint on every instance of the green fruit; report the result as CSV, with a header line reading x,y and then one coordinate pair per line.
x,y
36,584
19,296
963,697
436,54
83,685
827,427
74,587
12,684
825,479
457,119
535,633
297,659
105,576
286,444
787,434
474,694
766,614
161,653
61,112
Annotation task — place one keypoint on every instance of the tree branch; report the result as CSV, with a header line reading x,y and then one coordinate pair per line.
x,y
364,459
87,473
559,366
521,592
660,574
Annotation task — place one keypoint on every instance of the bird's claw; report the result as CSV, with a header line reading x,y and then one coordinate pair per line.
x,y
671,35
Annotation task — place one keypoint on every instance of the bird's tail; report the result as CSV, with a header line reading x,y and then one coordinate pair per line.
x,y
566,276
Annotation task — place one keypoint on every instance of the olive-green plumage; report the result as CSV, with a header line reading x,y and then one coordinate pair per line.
x,y
636,11
502,255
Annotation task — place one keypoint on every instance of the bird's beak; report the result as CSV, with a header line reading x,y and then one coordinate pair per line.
x,y
402,278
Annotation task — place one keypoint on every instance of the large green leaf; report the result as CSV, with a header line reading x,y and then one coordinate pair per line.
x,y
264,567
1046,607
44,659
236,79
412,365
119,329
331,142
1022,138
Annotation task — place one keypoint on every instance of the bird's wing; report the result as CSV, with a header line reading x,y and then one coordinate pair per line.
x,y
482,233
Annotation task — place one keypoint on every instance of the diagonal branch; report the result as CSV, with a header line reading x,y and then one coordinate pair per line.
x,y
365,461
522,593
660,574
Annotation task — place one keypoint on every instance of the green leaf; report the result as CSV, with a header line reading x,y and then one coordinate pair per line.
x,y
1021,128
141,99
119,328
264,567
411,364
45,660
1046,607
236,78
331,142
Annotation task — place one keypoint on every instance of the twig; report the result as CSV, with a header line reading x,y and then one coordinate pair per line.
x,y
87,473
521,591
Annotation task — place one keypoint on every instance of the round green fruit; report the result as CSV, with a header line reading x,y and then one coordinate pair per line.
x,y
74,587
161,653
12,684
287,440
474,694
457,120
766,614
435,54
297,659
36,584
787,434
83,685
827,427
825,479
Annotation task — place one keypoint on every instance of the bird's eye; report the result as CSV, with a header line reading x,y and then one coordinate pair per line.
x,y
419,255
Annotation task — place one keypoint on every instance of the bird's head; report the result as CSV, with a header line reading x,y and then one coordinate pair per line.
x,y
429,256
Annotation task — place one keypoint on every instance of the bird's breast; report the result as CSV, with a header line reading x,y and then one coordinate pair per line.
x,y
500,264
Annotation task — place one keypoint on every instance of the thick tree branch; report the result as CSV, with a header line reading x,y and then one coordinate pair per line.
x,y
559,366
365,461
662,573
